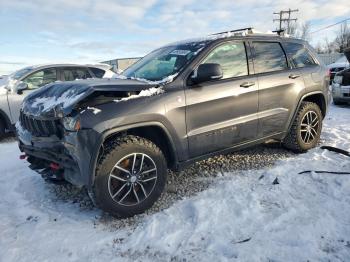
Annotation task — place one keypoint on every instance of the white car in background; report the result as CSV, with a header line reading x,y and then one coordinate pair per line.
x,y
14,87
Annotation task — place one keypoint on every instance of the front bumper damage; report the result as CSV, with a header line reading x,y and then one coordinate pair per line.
x,y
71,157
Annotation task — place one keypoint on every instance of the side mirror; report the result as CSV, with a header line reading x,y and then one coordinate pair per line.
x,y
20,87
207,72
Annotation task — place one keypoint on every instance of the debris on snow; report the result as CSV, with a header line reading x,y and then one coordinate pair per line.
x,y
275,182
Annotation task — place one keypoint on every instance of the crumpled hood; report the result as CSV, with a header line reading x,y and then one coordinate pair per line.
x,y
59,99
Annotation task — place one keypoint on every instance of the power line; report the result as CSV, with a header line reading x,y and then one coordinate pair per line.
x,y
282,19
321,29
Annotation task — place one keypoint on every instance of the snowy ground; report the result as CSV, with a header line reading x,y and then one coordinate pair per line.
x,y
205,215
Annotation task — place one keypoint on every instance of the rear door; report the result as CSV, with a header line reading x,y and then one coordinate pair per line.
x,y
222,113
302,58
74,73
279,87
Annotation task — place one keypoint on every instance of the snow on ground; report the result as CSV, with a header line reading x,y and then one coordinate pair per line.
x,y
242,216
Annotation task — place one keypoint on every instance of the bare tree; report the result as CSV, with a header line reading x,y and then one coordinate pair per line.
x,y
319,49
293,28
342,39
305,31
330,47
300,30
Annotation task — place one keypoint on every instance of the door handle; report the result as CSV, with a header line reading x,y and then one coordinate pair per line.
x,y
293,76
247,84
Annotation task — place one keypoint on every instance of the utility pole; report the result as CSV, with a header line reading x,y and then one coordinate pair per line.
x,y
283,19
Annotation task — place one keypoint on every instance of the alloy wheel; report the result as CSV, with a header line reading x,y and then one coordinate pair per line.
x,y
132,179
309,127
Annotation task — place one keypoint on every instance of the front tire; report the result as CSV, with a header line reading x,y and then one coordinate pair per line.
x,y
2,129
305,131
130,176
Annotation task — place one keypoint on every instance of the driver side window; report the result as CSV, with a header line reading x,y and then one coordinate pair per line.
x,y
41,78
231,57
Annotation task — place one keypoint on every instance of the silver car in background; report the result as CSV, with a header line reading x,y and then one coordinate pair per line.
x,y
341,84
16,86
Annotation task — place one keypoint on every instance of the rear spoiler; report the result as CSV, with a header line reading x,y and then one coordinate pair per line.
x,y
347,53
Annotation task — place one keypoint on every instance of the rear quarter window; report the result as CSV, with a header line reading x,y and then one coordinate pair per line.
x,y
299,55
99,73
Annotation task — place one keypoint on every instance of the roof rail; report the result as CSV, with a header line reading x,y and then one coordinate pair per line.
x,y
248,30
280,32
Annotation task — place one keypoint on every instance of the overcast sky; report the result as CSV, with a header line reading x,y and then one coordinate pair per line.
x,y
41,31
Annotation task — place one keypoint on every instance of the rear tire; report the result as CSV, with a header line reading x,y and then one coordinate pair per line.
x,y
130,176
305,131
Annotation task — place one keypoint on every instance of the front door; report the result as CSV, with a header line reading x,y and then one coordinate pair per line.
x,y
34,81
222,113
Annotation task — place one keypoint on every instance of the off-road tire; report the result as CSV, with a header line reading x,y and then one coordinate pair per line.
x,y
113,152
294,140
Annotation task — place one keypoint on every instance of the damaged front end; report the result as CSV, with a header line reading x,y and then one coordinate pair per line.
x,y
56,152
55,129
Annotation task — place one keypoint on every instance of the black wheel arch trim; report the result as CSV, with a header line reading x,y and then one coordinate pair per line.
x,y
120,129
6,119
299,104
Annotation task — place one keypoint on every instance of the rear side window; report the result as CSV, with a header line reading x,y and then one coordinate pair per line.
x,y
99,73
231,57
299,55
269,57
71,74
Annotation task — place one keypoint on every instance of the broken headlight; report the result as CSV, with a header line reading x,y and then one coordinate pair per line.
x,y
71,123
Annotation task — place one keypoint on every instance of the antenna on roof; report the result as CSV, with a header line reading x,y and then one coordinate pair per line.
x,y
280,32
248,29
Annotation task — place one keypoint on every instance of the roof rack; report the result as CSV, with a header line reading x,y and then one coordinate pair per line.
x,y
280,32
248,30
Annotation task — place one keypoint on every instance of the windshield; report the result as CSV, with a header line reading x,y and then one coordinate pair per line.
x,y
164,62
22,72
